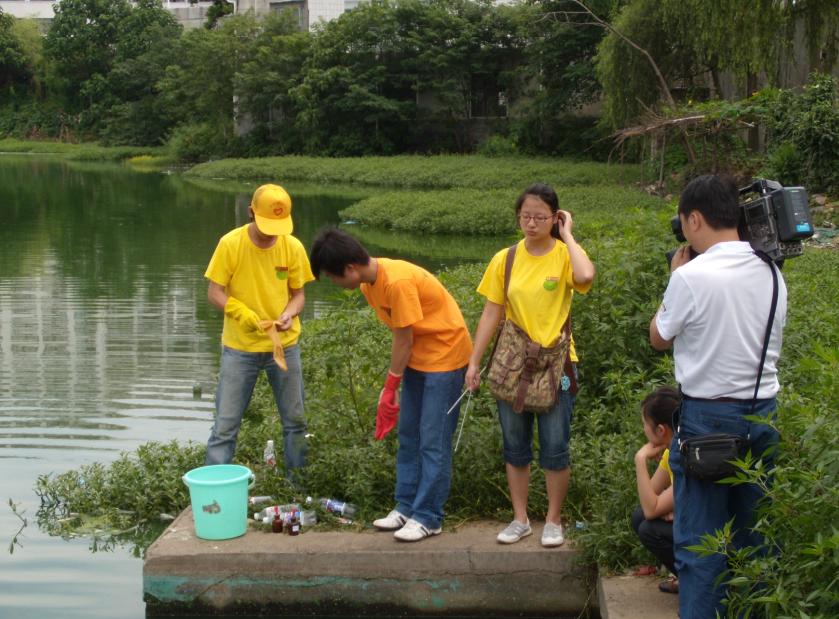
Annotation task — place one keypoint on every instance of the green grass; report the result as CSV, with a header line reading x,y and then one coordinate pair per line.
x,y
596,210
422,172
83,152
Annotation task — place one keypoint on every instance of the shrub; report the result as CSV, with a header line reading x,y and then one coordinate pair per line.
x,y
498,146
199,142
123,502
805,135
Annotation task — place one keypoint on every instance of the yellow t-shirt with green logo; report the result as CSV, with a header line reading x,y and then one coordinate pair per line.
x,y
261,279
540,292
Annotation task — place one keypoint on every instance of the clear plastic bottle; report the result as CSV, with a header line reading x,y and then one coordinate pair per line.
x,y
253,500
268,454
341,508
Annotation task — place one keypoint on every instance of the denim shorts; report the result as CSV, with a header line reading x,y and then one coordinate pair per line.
x,y
554,433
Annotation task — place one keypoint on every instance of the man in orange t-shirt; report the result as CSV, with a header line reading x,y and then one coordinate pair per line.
x,y
429,353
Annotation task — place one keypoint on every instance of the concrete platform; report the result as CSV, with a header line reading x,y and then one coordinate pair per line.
x,y
634,597
463,572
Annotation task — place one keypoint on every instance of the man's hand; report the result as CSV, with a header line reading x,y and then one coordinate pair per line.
x,y
284,321
387,412
473,377
680,258
241,313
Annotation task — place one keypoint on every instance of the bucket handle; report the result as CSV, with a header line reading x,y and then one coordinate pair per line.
x,y
251,483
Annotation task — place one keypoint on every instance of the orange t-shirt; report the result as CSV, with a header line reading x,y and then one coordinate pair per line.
x,y
405,295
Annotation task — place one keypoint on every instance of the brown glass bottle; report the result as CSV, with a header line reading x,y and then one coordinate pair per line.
x,y
293,526
277,524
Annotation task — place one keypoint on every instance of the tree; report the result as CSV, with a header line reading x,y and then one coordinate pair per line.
x,y
81,46
383,76
352,99
31,41
217,10
272,69
13,65
690,39
147,43
197,87
559,59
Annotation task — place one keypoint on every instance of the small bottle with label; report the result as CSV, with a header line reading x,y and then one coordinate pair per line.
x,y
277,524
293,526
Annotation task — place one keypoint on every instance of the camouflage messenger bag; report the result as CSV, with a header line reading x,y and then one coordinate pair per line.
x,y
521,371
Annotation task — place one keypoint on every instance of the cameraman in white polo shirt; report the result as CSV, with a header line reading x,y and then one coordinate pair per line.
x,y
715,314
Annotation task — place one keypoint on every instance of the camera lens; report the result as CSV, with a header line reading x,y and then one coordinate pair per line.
x,y
676,226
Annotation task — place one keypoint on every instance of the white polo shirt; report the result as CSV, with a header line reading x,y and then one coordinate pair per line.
x,y
716,307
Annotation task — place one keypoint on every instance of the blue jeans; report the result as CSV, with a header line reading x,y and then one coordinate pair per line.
x,y
239,371
705,506
554,433
424,457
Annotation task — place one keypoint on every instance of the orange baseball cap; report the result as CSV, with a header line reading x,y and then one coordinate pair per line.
x,y
272,210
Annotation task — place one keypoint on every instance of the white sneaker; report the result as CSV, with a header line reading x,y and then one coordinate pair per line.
x,y
552,535
414,531
394,520
514,532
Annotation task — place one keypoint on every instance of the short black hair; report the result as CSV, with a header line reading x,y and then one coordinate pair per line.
x,y
659,406
333,250
716,197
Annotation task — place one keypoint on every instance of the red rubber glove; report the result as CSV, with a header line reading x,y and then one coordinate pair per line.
x,y
387,412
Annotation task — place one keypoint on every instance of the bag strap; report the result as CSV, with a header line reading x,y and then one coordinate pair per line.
x,y
568,368
508,268
769,324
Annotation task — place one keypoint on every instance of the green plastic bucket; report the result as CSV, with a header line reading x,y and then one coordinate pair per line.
x,y
219,497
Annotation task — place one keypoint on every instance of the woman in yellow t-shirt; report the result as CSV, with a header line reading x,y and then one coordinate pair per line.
x,y
549,266
652,520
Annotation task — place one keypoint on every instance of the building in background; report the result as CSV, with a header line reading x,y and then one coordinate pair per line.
x,y
189,15
193,14
309,13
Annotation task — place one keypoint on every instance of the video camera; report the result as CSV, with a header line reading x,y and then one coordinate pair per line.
x,y
773,219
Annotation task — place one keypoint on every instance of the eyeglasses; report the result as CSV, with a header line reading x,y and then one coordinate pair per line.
x,y
537,219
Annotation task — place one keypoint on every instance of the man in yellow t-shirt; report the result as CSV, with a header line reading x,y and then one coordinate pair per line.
x,y
257,274
429,352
